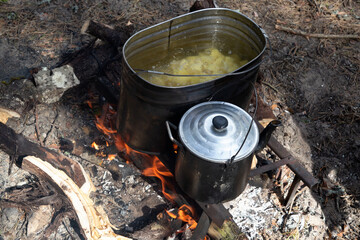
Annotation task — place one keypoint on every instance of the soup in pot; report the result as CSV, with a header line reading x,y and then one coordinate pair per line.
x,y
207,62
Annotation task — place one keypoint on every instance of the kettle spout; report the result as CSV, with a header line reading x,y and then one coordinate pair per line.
x,y
266,134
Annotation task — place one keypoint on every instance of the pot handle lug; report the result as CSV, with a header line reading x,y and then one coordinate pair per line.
x,y
170,125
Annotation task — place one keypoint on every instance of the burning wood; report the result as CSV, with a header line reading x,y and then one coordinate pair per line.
x,y
184,213
93,220
67,176
155,167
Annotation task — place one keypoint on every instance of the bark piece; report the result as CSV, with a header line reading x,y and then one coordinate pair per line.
x,y
5,114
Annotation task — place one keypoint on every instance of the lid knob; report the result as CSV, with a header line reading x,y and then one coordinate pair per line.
x,y
220,123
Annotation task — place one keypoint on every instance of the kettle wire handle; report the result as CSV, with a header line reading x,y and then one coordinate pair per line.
x,y
231,160
170,125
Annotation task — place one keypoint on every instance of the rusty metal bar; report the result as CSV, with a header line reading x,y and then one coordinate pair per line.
x,y
201,228
295,166
272,166
216,212
305,176
293,188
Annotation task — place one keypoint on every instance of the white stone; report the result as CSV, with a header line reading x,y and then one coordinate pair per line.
x,y
39,220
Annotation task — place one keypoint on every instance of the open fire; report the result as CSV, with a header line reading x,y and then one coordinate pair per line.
x,y
155,168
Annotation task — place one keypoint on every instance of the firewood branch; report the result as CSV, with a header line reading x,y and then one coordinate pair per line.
x,y
16,144
68,178
316,35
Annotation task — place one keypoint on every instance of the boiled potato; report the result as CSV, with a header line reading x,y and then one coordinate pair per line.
x,y
207,62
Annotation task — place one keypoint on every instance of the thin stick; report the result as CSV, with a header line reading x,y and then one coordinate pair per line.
x,y
51,128
37,127
270,86
315,35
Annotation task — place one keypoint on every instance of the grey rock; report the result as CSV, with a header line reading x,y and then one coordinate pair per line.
x,y
9,217
51,85
38,220
295,221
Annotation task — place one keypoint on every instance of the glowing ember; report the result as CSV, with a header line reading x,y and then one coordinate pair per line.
x,y
111,157
95,146
175,148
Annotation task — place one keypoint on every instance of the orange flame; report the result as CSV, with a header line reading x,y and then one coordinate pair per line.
x,y
185,216
172,215
89,104
185,212
101,127
159,170
156,169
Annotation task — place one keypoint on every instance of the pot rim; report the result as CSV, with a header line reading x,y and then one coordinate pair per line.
x,y
252,61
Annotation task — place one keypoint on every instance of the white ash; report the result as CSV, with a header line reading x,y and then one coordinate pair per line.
x,y
259,214
253,212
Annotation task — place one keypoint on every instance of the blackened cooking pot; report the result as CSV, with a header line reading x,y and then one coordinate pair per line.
x,y
144,107
209,166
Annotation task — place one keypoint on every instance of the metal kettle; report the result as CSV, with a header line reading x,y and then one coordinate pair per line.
x,y
209,167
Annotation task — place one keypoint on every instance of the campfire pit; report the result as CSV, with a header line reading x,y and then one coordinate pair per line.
x,y
211,218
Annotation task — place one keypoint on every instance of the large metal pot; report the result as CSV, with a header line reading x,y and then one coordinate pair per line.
x,y
144,107
208,167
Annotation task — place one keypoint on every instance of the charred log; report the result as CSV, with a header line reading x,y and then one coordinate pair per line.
x,y
202,4
17,145
105,33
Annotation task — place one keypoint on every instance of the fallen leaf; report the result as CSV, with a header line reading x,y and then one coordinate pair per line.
x,y
274,106
254,162
280,22
273,222
327,184
86,130
290,110
264,122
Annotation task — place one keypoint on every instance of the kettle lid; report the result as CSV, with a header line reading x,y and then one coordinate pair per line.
x,y
215,131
